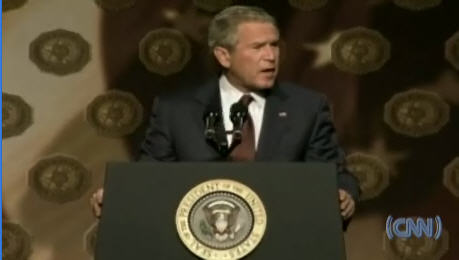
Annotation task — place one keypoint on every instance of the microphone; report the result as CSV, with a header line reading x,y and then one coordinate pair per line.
x,y
210,119
214,135
238,115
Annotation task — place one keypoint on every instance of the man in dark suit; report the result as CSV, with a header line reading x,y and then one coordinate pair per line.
x,y
284,122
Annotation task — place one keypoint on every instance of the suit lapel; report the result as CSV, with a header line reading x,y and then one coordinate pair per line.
x,y
208,97
208,94
274,126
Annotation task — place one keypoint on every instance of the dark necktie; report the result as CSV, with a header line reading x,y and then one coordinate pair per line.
x,y
245,150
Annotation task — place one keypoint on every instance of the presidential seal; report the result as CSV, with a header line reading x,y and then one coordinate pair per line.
x,y
221,219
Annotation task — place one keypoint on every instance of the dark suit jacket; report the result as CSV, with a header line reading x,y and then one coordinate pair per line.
x,y
306,133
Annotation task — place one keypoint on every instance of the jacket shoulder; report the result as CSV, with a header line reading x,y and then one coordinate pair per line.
x,y
177,96
300,93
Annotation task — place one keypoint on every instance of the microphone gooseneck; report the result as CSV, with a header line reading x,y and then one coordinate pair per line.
x,y
238,115
211,119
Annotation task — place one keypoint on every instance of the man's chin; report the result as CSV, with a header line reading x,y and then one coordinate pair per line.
x,y
265,84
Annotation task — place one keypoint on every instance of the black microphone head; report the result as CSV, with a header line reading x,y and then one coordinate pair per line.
x,y
238,110
213,109
211,114
211,119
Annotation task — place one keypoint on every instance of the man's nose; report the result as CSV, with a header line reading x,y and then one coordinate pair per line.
x,y
270,53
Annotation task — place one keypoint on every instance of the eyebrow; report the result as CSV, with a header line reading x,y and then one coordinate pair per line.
x,y
257,43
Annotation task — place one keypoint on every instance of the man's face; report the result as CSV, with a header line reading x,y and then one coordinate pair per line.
x,y
253,62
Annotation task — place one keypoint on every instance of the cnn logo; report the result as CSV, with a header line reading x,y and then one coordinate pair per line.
x,y
407,227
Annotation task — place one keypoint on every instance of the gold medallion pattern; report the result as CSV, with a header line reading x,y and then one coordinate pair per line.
x,y
373,174
417,5
59,179
414,248
165,51
12,4
60,52
221,220
416,113
16,115
212,6
452,50
360,51
16,242
90,239
451,177
308,5
115,114
115,5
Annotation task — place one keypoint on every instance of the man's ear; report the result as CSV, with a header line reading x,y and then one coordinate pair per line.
x,y
223,56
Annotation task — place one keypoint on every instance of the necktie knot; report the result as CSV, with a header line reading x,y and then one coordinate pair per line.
x,y
246,100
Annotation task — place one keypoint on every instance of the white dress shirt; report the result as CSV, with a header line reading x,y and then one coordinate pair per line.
x,y
230,95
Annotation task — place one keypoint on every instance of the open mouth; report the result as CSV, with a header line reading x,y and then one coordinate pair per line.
x,y
270,70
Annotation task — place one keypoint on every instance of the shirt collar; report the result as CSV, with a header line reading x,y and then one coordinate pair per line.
x,y
234,94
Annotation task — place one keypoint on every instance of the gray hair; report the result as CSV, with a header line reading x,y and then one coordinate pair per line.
x,y
223,27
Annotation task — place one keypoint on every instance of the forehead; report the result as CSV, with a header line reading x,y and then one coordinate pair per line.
x,y
257,31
